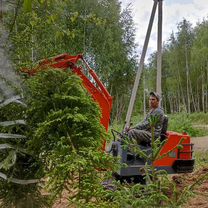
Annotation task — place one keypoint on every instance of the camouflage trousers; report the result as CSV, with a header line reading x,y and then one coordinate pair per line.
x,y
141,136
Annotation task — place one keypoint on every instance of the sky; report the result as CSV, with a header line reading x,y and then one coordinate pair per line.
x,y
173,12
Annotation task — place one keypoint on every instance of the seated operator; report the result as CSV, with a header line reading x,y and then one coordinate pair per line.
x,y
142,131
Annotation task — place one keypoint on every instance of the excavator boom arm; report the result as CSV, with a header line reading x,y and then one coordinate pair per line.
x,y
93,84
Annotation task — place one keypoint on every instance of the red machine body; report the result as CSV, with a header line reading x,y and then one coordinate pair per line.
x,y
179,159
172,160
93,84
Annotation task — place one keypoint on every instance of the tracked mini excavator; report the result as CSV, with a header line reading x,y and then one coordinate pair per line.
x,y
177,161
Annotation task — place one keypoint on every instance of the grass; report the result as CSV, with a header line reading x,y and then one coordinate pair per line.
x,y
201,159
186,123
199,118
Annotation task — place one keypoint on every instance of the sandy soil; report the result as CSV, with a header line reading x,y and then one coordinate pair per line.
x,y
200,200
200,187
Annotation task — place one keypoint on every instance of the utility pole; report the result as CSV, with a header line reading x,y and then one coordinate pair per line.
x,y
141,63
159,49
141,66
144,96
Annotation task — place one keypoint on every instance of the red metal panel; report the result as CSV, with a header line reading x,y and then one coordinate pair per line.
x,y
173,141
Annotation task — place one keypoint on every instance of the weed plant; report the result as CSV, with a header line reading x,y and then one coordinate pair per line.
x,y
182,123
199,118
201,159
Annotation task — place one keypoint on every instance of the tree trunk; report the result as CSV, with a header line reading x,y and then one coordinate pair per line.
x,y
178,101
144,95
171,104
32,50
165,104
181,89
191,91
198,95
187,80
203,109
206,81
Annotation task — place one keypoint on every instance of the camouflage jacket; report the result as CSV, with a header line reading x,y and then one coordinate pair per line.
x,y
145,125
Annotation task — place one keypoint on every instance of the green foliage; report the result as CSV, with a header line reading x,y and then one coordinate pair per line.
x,y
63,143
12,111
19,196
139,195
16,163
66,110
199,118
182,123
27,4
201,159
55,27
66,134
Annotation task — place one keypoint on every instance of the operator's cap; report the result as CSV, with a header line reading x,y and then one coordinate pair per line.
x,y
155,94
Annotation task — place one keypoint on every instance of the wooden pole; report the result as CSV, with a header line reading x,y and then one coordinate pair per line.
x,y
141,66
159,49
144,96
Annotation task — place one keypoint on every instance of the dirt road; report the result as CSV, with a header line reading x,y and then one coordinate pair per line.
x,y
200,143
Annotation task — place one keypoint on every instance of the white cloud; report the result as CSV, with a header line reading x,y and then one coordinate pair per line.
x,y
193,11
